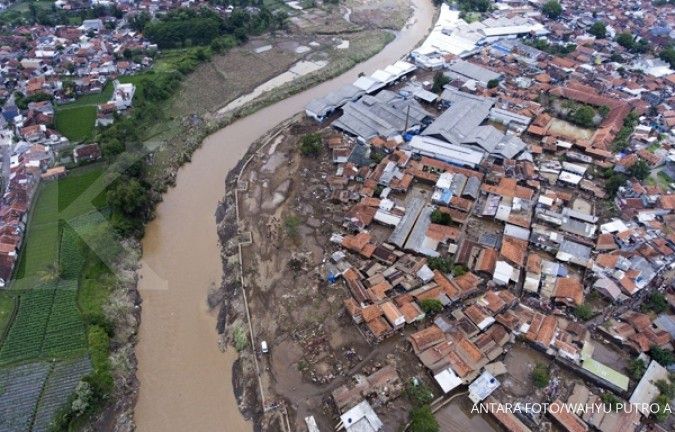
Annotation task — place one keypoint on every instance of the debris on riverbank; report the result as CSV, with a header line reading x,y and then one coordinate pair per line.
x,y
315,349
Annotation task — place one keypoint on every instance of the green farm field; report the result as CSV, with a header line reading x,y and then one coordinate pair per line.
x,y
76,123
44,293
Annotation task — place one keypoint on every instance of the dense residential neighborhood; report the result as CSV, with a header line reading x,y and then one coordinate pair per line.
x,y
43,69
491,214
509,187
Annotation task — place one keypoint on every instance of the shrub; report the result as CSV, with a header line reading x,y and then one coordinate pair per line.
x,y
492,83
240,338
662,356
584,312
636,368
419,394
610,401
431,306
311,145
291,223
423,420
656,303
666,388
99,347
440,80
664,410
541,375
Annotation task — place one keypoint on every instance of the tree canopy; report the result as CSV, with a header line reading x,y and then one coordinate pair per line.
x,y
640,170
431,306
584,312
628,41
311,144
440,80
423,420
668,55
552,9
187,27
598,29
662,356
583,116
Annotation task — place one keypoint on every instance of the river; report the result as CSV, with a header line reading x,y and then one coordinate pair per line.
x,y
185,381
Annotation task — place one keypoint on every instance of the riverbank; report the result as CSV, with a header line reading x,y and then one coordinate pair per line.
x,y
258,380
185,380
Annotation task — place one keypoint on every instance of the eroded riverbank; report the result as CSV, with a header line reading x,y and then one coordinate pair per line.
x,y
186,382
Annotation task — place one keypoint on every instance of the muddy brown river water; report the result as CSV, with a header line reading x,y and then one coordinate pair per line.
x,y
185,381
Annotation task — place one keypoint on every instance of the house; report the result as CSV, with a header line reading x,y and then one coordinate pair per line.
x,y
123,95
86,153
361,418
568,290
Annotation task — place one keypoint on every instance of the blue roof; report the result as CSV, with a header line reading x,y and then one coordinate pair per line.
x,y
446,195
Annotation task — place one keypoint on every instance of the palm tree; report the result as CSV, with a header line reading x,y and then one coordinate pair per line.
x,y
51,273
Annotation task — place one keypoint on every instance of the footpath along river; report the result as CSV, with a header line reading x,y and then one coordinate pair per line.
x,y
185,381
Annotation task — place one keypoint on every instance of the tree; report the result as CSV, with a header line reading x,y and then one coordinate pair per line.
x,y
444,265
640,170
666,388
664,410
656,303
112,148
492,83
610,401
423,420
668,55
440,80
99,347
661,356
616,58
598,29
51,273
583,116
441,218
280,20
458,270
128,197
541,375
419,394
431,306
613,183
552,9
468,6
625,39
636,368
311,144
584,312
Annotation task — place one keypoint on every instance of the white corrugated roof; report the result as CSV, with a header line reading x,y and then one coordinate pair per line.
x,y
448,380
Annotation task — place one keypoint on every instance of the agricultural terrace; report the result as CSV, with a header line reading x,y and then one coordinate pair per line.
x,y
55,301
